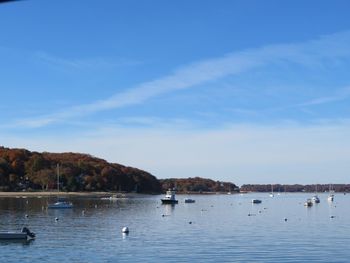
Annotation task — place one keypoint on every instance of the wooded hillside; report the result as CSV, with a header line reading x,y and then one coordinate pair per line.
x,y
21,169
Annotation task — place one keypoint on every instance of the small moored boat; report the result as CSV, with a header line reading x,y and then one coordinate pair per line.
x,y
169,197
23,235
308,203
315,199
189,200
60,204
256,201
330,198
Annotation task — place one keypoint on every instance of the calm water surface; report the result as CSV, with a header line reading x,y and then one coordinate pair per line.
x,y
217,228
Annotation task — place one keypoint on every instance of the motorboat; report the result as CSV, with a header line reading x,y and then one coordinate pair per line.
x,y
315,199
23,235
256,201
189,200
308,203
169,197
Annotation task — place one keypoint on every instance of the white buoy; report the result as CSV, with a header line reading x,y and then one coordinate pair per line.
x,y
125,230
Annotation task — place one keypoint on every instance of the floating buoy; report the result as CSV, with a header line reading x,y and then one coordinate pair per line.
x,y
26,216
190,222
125,230
56,219
332,216
285,219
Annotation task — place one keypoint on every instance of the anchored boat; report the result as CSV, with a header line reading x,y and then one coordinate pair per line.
x,y
308,203
169,197
23,235
189,200
61,203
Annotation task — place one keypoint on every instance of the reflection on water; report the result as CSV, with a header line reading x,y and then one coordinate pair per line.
x,y
8,242
216,228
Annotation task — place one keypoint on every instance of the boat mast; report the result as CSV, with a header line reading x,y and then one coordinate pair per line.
x,y
58,178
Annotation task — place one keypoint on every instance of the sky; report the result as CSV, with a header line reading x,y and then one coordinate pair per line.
x,y
245,91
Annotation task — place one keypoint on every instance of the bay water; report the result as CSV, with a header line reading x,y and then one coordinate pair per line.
x,y
216,228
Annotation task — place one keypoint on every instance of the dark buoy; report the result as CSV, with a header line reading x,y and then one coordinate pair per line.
x,y
56,219
190,222
285,219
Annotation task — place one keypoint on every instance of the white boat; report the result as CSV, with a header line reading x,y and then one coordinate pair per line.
x,y
169,197
271,194
256,201
330,197
61,203
23,235
315,199
189,200
308,203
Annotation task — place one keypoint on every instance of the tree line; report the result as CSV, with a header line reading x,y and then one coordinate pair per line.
x,y
23,170
295,187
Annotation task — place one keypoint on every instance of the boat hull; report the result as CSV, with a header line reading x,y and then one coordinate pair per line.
x,y
171,202
15,236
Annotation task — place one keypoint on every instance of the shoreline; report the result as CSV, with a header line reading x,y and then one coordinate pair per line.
x,y
55,193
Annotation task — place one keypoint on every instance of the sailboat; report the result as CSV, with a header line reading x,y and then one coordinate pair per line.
x,y
315,198
271,194
60,204
330,197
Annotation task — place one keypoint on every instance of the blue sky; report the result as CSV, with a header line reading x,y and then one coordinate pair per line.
x,y
241,91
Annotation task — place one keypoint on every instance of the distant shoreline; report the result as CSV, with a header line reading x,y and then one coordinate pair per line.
x,y
97,194
55,193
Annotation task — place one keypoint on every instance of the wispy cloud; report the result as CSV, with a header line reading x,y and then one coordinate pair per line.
x,y
339,95
315,52
79,63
